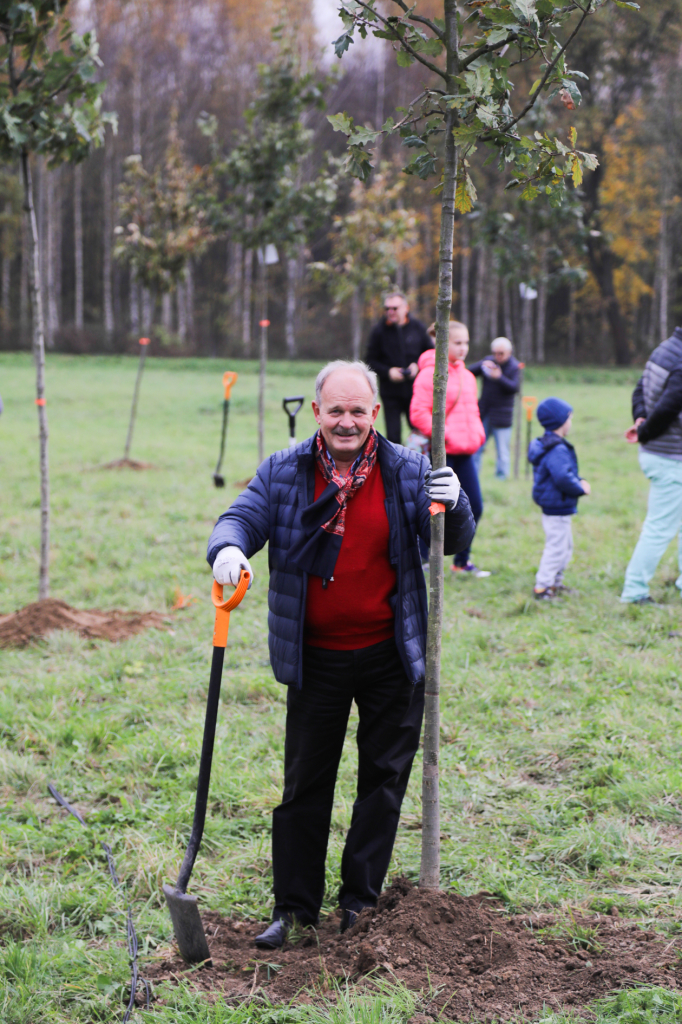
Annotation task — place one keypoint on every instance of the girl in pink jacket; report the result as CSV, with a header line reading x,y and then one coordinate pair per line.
x,y
464,433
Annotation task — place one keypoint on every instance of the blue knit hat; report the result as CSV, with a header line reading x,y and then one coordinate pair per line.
x,y
553,413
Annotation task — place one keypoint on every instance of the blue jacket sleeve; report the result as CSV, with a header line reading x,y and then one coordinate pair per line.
x,y
475,368
560,466
246,524
509,381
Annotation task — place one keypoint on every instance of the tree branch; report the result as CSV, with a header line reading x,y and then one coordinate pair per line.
x,y
423,21
487,48
533,99
406,46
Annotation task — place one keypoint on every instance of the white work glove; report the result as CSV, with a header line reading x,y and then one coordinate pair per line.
x,y
442,485
229,564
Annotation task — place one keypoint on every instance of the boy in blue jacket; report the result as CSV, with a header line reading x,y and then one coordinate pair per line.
x,y
556,489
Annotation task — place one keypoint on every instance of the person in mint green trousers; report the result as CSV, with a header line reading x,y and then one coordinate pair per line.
x,y
657,412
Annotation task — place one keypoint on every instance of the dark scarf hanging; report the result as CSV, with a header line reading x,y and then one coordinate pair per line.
x,y
324,522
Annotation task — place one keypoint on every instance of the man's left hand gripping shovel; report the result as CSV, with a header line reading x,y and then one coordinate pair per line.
x,y
189,931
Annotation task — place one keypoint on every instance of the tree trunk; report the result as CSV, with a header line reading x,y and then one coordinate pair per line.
x,y
356,322
134,301
137,108
526,329
429,875
189,297
479,295
6,265
24,298
541,325
465,261
167,311
78,244
246,301
493,301
108,200
381,94
181,307
264,323
147,310
290,317
34,284
51,255
663,277
234,283
507,311
571,322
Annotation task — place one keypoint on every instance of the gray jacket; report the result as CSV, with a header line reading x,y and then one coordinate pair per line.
x,y
658,398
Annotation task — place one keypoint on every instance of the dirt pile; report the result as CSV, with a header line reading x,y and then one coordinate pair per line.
x,y
126,464
43,617
473,959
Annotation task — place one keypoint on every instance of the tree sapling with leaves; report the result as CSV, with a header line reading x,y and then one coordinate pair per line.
x,y
51,106
471,55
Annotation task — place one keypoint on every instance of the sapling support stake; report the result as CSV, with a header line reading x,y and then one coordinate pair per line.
x,y
517,422
529,404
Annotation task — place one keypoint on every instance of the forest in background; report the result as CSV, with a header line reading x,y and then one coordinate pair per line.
x,y
595,280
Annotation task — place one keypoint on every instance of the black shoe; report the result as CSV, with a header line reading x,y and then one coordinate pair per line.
x,y
348,919
647,600
274,935
545,594
561,588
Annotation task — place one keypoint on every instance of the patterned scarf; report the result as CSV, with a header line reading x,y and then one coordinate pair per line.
x,y
348,485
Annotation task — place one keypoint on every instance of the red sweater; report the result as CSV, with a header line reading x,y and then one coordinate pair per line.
x,y
354,609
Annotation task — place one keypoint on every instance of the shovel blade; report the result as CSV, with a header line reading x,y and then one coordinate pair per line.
x,y
189,931
218,480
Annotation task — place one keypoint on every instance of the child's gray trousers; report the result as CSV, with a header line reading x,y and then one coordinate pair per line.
x,y
558,551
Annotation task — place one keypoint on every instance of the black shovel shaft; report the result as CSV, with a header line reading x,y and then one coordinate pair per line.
x,y
226,410
204,769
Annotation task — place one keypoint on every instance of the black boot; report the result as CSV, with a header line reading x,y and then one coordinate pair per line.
x,y
348,919
274,935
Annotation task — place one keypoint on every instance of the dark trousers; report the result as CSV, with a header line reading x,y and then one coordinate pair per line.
x,y
465,468
390,710
394,407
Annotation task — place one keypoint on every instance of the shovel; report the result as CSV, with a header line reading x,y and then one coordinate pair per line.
x,y
292,414
229,378
184,911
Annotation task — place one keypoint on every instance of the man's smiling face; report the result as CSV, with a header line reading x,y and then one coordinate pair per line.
x,y
345,414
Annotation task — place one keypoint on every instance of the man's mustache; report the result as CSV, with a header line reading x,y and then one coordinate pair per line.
x,y
345,431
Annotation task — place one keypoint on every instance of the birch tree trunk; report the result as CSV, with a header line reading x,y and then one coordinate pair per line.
x,y
108,240
234,278
290,316
465,262
189,297
381,94
78,244
356,322
181,307
526,329
541,313
429,875
167,311
246,301
147,309
134,302
479,294
571,323
34,284
263,353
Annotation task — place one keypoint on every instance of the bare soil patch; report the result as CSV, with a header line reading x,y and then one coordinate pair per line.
x,y
480,962
126,464
43,617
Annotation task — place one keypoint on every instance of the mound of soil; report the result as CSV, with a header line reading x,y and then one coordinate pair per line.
x,y
126,464
463,950
43,617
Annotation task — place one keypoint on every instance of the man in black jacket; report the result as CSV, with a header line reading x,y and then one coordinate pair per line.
x,y
395,345
501,380
657,412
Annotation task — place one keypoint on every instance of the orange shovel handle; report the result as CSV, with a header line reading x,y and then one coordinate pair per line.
x,y
229,378
223,608
435,507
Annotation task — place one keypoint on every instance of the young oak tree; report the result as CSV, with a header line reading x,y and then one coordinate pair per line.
x,y
470,52
50,105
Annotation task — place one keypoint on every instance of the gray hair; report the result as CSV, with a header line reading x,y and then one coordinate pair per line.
x,y
346,364
503,342
395,293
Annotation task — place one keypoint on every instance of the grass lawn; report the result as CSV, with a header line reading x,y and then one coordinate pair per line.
x,y
561,723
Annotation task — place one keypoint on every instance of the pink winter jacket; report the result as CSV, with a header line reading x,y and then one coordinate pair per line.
x,y
464,433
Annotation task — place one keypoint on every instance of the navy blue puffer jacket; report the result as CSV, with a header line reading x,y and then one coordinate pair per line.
x,y
556,484
270,510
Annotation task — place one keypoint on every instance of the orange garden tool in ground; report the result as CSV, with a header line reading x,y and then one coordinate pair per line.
x,y
530,404
229,378
184,911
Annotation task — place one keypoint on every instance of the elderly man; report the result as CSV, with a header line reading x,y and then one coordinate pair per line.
x,y
342,513
501,379
657,412
394,348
